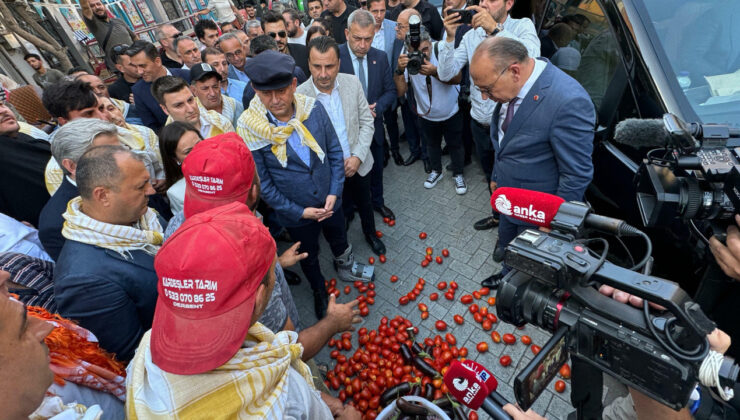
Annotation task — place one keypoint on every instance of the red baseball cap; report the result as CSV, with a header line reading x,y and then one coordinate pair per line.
x,y
208,274
217,171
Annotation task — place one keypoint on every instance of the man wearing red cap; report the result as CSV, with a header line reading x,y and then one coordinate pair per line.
x,y
206,354
221,170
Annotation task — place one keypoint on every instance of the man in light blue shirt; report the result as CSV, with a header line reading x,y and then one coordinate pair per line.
x,y
236,54
230,87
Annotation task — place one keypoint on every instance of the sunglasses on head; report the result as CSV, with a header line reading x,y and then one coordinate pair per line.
x,y
177,35
281,34
120,48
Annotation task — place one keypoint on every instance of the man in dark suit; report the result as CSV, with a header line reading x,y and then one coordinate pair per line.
x,y
273,24
371,66
145,57
550,115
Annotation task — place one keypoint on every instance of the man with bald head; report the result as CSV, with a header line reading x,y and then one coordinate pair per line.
x,y
550,115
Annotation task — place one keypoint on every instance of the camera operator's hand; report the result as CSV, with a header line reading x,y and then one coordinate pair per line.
x,y
719,341
451,22
428,69
403,61
728,257
517,414
483,19
624,297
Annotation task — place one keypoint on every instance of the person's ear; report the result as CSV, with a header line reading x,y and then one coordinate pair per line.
x,y
164,108
62,120
346,33
70,166
102,196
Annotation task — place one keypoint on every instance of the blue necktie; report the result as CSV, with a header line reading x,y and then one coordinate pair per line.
x,y
361,72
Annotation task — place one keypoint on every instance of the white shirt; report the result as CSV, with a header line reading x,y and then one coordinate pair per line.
x,y
223,10
452,59
299,39
539,67
379,38
176,194
444,95
355,66
333,104
205,127
17,237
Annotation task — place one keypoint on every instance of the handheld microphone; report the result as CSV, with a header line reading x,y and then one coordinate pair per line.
x,y
642,133
474,387
540,209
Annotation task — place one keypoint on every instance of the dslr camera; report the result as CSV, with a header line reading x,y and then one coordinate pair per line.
x,y
416,58
553,284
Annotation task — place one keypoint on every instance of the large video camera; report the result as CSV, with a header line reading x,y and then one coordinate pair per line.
x,y
416,58
553,285
697,177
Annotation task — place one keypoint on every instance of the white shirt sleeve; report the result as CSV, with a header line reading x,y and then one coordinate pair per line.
x,y
451,59
523,31
303,402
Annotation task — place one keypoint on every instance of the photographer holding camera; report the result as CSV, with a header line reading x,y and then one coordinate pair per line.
x,y
434,101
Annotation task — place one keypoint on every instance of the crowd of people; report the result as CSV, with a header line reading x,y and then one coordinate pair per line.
x,y
146,221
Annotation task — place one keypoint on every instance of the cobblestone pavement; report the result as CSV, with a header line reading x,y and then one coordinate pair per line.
x,y
448,220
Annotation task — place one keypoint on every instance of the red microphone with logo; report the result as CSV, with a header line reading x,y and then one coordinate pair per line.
x,y
474,387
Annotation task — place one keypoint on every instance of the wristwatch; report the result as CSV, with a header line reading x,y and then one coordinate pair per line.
x,y
499,28
398,71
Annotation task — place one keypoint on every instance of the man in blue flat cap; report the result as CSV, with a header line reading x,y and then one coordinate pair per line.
x,y
301,167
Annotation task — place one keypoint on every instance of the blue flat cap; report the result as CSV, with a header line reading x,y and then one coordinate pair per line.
x,y
270,70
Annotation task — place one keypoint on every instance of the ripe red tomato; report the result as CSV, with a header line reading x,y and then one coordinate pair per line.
x,y
486,325
429,250
492,317
424,315
371,260
560,386
386,219
526,340
466,299
453,285
438,259
472,415
496,337
449,295
476,294
505,360
347,289
364,311
450,339
473,308
484,310
509,339
382,258
458,319
424,263
422,307
464,352
394,278
535,349
433,296
440,325
429,258
565,371
423,235
478,317
392,223
378,234
446,252
404,300
482,347
491,301
484,291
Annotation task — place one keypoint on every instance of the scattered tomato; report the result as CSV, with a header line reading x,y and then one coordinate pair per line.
x,y
449,295
486,325
466,299
484,291
424,315
473,308
394,278
453,285
424,263
438,259
347,289
472,415
476,294
560,386
364,311
392,223
429,250
404,300
378,234
446,252
478,317
526,340
505,360
509,339
458,319
442,285
450,339
423,235
496,337
382,258
482,347
371,260
535,349
491,301
386,219
422,307
565,371
440,325
492,317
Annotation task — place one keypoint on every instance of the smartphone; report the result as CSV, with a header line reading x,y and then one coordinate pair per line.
x,y
466,16
530,382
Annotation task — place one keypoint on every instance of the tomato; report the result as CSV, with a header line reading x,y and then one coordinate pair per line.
x,y
450,339
334,354
364,311
382,258
347,289
422,307
445,252
383,321
473,308
421,281
472,415
404,300
486,324
484,310
478,317
484,291
505,360
378,234
491,300
565,371
433,297
419,287
536,349
463,352
333,282
526,340
560,386
438,259
429,250
424,315
509,339
429,258
392,223
458,319
496,337
346,344
440,325
371,293
466,299
453,285
449,295
371,260
476,294
423,235
386,219
482,347
394,278
424,263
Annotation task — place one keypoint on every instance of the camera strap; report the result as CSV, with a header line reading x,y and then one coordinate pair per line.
x,y
428,83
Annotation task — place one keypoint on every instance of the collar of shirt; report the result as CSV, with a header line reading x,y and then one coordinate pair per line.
x,y
356,63
71,181
169,73
205,127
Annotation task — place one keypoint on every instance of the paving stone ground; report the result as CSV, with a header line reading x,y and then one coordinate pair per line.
x,y
448,220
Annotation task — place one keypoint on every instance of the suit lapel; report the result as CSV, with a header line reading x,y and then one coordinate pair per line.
x,y
139,261
494,126
289,151
528,104
372,74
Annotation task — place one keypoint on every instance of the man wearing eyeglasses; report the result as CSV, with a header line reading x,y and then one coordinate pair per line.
x,y
542,128
166,35
273,24
236,55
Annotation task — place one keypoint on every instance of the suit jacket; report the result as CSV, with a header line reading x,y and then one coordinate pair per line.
x,y
300,55
296,186
389,35
548,144
51,220
380,87
150,112
357,117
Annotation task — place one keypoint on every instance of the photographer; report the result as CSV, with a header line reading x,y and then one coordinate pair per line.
x,y
436,104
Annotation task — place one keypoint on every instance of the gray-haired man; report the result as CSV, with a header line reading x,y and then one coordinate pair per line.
x,y
236,55
188,51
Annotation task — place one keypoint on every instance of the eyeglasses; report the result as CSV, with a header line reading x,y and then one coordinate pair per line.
x,y
281,34
175,36
120,48
232,55
487,89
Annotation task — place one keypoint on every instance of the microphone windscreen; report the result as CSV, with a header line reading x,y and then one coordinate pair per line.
x,y
534,207
467,385
641,133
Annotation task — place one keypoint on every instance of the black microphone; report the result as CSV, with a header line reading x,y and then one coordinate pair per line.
x,y
642,133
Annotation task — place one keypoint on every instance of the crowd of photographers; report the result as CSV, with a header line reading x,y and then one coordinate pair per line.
x,y
266,126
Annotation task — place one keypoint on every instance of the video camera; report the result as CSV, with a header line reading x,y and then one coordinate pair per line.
x,y
551,285
416,58
696,178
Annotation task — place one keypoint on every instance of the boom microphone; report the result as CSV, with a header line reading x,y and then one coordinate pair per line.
x,y
474,386
642,133
540,209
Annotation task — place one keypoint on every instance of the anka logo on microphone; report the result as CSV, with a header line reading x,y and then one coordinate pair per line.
x,y
461,384
503,205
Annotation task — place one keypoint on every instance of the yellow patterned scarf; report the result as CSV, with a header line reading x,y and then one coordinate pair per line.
x,y
258,132
219,123
251,385
146,236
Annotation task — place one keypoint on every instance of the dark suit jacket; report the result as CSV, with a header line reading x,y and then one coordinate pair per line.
x,y
290,189
51,220
149,110
300,55
549,142
381,90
